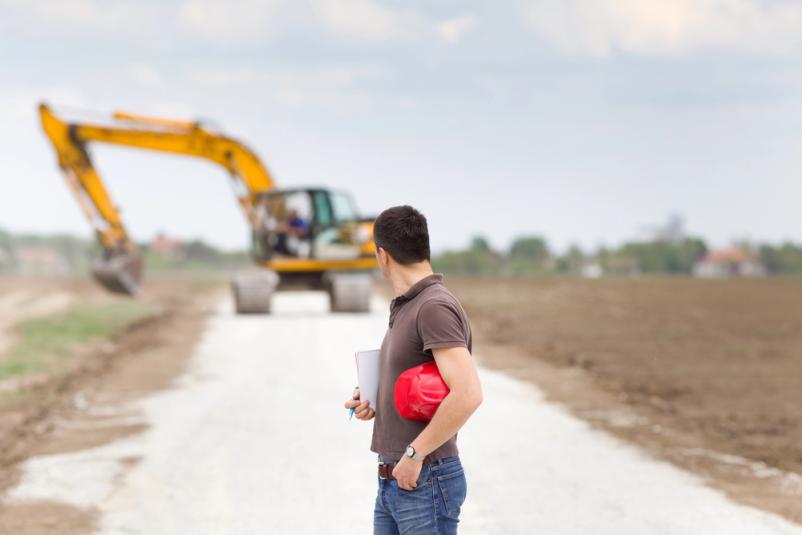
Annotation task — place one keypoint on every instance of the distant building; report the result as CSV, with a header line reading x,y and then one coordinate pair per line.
x,y
730,262
40,260
674,230
619,264
591,269
608,264
167,246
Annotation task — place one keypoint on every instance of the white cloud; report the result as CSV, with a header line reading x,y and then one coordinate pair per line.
x,y
666,27
225,23
232,23
334,88
366,19
94,15
452,30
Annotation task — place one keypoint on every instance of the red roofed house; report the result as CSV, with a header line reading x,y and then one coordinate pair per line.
x,y
167,246
730,262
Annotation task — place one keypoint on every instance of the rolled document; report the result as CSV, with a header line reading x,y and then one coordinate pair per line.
x,y
367,372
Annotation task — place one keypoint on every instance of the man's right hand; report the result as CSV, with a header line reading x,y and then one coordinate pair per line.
x,y
362,412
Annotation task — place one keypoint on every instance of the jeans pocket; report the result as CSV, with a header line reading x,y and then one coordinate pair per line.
x,y
424,480
453,488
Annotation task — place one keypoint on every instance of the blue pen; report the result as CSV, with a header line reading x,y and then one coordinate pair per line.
x,y
352,410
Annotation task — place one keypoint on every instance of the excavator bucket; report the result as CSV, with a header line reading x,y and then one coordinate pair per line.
x,y
120,273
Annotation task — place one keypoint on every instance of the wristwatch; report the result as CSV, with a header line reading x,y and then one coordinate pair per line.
x,y
410,452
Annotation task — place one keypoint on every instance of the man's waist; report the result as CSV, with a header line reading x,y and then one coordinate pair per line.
x,y
386,468
383,459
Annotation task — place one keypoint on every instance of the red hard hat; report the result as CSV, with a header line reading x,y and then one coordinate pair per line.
x,y
419,391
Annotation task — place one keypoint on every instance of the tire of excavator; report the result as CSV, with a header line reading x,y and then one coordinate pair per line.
x,y
349,292
253,292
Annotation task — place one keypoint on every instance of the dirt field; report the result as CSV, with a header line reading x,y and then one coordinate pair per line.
x,y
707,374
62,409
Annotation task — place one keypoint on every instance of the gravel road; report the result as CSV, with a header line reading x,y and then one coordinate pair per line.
x,y
254,439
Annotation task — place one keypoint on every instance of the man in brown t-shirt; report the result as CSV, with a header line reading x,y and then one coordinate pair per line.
x,y
421,481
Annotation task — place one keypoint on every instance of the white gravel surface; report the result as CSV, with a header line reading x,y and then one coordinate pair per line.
x,y
254,440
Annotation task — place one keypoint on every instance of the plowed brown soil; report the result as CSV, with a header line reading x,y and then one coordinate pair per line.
x,y
705,373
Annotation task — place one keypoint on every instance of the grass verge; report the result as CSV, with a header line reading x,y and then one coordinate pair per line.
x,y
44,343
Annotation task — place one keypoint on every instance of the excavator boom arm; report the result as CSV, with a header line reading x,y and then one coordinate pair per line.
x,y
70,143
177,137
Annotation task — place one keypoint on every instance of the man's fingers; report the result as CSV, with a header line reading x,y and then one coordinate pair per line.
x,y
406,475
407,486
366,415
363,412
354,401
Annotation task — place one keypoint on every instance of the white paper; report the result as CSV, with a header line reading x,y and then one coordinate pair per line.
x,y
367,371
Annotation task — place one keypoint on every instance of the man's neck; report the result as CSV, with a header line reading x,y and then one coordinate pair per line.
x,y
407,276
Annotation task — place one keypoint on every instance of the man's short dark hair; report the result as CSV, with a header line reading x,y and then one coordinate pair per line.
x,y
403,233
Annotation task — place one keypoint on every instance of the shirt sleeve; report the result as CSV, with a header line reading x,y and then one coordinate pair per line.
x,y
440,326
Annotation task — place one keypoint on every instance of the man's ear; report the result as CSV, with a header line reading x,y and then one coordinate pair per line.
x,y
386,259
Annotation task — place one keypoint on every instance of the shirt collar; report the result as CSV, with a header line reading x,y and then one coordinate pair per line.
x,y
413,291
425,282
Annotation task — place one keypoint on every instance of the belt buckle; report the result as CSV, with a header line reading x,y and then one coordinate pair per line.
x,y
383,470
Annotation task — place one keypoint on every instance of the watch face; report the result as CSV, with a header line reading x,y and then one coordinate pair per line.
x,y
410,451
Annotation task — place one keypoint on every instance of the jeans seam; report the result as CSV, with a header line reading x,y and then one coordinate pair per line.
x,y
383,490
444,494
456,473
434,505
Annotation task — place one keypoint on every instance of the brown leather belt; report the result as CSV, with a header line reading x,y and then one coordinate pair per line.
x,y
386,469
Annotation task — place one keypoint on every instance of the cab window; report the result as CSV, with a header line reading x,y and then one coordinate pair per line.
x,y
343,207
323,215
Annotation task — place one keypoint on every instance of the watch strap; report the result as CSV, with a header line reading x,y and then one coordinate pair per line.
x,y
414,456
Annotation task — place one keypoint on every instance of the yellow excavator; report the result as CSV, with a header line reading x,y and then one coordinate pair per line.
x,y
301,237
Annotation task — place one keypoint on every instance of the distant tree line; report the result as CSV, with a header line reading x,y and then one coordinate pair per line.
x,y
77,253
194,255
785,258
526,255
531,255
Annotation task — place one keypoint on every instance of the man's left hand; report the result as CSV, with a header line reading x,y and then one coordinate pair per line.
x,y
406,472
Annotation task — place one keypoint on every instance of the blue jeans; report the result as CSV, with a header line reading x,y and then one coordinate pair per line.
x,y
431,508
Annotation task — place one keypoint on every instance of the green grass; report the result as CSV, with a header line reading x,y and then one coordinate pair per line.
x,y
44,343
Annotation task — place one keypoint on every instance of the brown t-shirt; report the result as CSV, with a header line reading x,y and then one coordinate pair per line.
x,y
426,317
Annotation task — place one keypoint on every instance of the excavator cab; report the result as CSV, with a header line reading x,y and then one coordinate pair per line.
x,y
310,223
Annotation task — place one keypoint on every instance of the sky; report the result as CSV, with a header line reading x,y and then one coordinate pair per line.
x,y
585,121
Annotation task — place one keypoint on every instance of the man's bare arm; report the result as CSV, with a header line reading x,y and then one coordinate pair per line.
x,y
459,372
464,397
